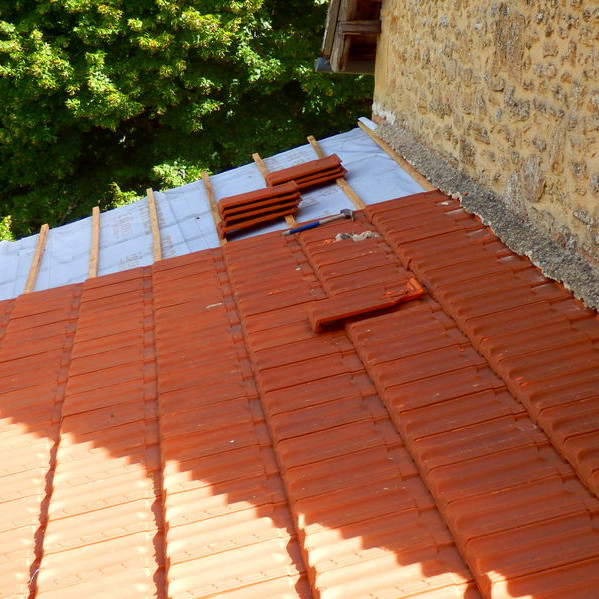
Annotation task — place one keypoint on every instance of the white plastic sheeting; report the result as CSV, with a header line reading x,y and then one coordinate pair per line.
x,y
185,219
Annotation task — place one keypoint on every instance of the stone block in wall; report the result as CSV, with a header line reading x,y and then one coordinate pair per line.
x,y
510,28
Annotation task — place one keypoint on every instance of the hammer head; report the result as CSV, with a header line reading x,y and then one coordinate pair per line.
x,y
347,213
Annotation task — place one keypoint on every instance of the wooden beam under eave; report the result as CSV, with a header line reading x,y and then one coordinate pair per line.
x,y
95,244
368,27
156,241
402,162
330,27
341,182
37,259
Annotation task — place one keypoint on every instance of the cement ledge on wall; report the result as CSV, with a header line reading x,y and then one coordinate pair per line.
x,y
555,261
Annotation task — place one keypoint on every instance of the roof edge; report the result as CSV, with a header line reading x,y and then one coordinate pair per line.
x,y
571,269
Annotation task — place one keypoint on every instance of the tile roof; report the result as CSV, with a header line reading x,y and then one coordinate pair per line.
x,y
180,430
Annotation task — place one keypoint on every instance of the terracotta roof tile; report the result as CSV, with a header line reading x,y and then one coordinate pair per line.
x,y
230,451
308,174
328,487
181,431
336,310
121,566
249,209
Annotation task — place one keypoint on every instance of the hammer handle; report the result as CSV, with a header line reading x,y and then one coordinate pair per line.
x,y
302,228
322,221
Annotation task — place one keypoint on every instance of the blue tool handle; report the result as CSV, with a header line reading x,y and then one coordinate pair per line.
x,y
303,228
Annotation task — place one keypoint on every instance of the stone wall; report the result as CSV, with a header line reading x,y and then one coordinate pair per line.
x,y
508,93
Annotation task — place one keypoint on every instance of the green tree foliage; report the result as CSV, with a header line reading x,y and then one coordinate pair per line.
x,y
101,98
5,229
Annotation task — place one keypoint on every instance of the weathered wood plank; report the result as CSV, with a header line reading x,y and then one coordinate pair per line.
x,y
95,244
264,171
341,182
406,166
37,259
157,243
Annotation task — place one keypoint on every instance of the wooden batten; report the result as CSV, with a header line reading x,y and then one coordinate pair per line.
x,y
264,171
37,259
406,166
341,182
210,193
95,243
157,243
316,146
260,164
211,200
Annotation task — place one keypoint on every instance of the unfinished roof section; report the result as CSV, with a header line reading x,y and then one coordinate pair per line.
x,y
350,39
180,430
184,217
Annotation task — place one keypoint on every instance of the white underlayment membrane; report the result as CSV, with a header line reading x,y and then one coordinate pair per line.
x,y
185,219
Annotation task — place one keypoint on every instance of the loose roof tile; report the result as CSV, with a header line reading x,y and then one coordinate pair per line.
x,y
246,210
183,431
309,174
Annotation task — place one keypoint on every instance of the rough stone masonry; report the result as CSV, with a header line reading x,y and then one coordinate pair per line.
x,y
502,98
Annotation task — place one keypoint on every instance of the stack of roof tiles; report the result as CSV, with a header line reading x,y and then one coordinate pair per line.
x,y
182,431
280,199
251,209
309,174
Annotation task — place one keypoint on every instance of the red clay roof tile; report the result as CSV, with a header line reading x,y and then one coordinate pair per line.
x,y
309,174
249,209
360,303
182,431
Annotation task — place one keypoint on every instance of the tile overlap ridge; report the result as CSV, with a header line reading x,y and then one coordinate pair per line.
x,y
540,340
105,525
229,529
35,351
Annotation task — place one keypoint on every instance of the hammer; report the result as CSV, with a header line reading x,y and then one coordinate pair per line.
x,y
345,213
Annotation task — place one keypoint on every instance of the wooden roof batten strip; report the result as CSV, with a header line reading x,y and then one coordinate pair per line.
x,y
37,259
157,243
95,244
154,223
402,162
264,171
213,207
341,182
